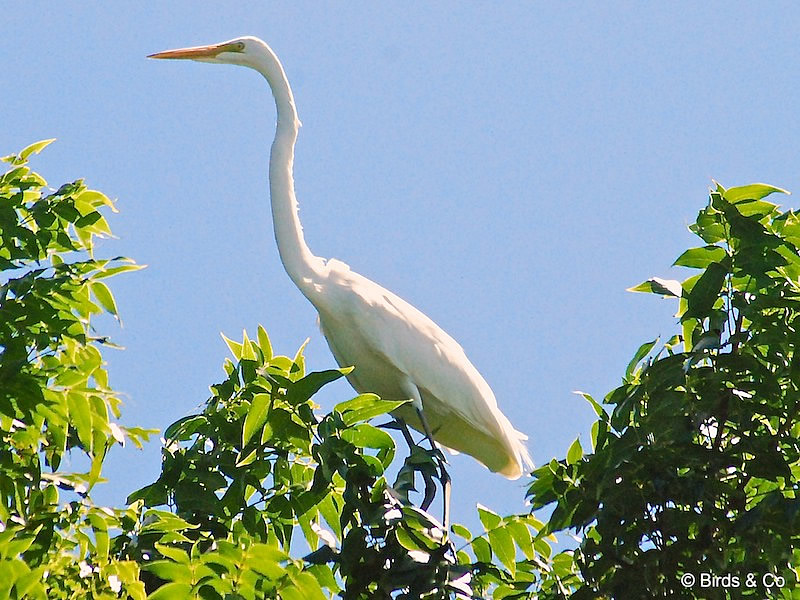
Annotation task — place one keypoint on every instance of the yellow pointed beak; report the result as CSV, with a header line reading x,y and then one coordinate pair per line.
x,y
198,51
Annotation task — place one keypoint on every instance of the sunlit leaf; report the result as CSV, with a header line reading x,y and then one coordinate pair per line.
x,y
104,297
365,407
522,537
482,549
364,435
264,343
247,352
700,258
489,518
96,199
172,591
80,416
575,452
460,530
256,416
503,547
306,587
234,347
598,409
35,148
754,191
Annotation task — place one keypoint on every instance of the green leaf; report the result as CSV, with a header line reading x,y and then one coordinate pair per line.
x,y
234,347
705,291
256,416
462,531
643,351
110,272
598,409
324,576
264,343
300,360
708,226
170,571
575,452
80,416
758,208
542,547
306,585
656,285
18,545
185,427
249,459
103,295
365,407
247,348
172,591
522,536
35,148
482,550
95,199
159,521
365,435
503,547
700,258
754,191
330,512
309,385
177,554
408,541
489,518
266,553
595,432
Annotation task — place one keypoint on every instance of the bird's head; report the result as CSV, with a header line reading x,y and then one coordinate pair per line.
x,y
245,51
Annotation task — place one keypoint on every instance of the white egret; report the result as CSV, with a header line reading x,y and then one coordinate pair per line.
x,y
398,352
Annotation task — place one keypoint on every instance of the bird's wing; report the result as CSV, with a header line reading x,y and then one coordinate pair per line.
x,y
381,327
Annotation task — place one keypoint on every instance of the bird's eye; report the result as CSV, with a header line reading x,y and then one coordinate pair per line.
x,y
240,46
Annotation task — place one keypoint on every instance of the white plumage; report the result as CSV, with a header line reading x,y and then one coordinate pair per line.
x,y
398,352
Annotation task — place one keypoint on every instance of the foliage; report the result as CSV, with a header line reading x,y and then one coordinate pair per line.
x,y
258,466
695,469
54,393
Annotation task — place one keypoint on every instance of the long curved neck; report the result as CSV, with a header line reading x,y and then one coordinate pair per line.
x,y
301,265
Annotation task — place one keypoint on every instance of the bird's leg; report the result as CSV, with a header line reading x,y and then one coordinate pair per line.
x,y
444,476
445,479
430,488
400,425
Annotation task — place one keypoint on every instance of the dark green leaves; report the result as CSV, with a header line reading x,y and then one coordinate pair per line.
x,y
705,291
313,382
696,469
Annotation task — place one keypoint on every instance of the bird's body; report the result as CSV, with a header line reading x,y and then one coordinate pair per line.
x,y
414,358
397,351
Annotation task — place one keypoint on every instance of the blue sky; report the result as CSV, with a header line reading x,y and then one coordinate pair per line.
x,y
507,168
